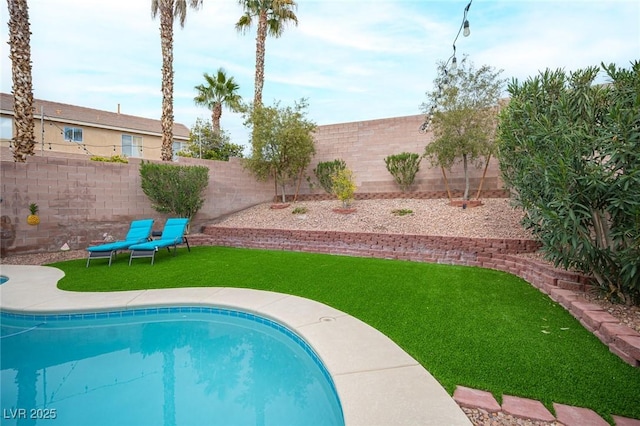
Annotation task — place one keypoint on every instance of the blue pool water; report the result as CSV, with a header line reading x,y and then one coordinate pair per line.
x,y
161,366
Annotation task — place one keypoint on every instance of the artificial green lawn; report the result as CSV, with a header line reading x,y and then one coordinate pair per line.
x,y
467,326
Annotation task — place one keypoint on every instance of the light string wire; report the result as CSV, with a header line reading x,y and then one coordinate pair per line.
x,y
464,28
81,145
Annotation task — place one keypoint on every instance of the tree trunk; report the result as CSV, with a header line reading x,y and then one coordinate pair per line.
x,y
484,173
215,118
20,55
166,39
466,177
446,183
261,38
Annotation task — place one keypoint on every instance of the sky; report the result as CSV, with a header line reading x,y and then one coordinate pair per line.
x,y
352,60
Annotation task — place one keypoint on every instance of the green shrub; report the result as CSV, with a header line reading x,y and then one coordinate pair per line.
x,y
324,172
343,186
174,189
112,159
402,212
300,210
570,150
403,167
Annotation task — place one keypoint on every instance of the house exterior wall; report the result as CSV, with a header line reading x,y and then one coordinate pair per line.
x,y
96,141
102,131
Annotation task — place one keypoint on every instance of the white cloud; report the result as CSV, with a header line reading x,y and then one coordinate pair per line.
x,y
353,59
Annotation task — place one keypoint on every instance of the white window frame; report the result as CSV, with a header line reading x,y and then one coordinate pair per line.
x,y
75,134
132,147
6,128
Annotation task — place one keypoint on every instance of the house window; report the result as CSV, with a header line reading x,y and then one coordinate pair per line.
x,y
177,147
132,146
6,128
73,134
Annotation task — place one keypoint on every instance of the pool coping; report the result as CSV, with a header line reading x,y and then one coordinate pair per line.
x,y
377,382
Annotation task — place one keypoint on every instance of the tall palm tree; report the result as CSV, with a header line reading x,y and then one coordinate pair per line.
x,y
219,91
20,55
272,17
169,10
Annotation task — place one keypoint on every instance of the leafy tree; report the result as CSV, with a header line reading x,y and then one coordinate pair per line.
x,y
207,144
219,91
570,150
403,167
20,55
169,10
463,111
174,189
272,16
324,172
282,143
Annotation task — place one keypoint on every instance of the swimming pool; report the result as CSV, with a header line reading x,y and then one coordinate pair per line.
x,y
171,366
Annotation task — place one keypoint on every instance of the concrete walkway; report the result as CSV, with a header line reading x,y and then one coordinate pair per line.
x,y
377,382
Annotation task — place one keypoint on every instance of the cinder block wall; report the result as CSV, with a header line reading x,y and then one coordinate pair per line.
x,y
80,200
364,145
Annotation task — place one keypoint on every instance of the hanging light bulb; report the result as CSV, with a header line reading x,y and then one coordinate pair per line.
x,y
454,64
466,31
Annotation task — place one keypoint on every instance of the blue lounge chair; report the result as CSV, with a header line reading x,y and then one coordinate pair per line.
x,y
139,232
172,236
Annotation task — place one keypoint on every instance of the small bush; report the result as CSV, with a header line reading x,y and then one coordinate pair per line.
x,y
112,159
324,172
402,212
343,186
174,189
403,167
300,210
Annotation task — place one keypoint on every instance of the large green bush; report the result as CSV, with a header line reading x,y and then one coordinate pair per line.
x,y
324,172
174,189
403,167
570,150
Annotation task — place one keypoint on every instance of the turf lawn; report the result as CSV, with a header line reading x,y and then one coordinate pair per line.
x,y
467,326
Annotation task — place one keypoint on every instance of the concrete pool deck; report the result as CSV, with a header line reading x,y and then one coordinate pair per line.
x,y
377,382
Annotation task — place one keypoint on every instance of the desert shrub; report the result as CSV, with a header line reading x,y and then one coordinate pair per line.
x,y
402,212
570,150
174,189
324,172
343,186
112,159
300,210
403,167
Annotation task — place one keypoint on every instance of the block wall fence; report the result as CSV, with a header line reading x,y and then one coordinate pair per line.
x,y
80,200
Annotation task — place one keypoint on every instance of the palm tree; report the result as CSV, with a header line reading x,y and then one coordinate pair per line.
x,y
20,55
272,16
169,10
218,91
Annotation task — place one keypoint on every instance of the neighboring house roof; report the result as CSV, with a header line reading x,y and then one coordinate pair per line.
x,y
72,114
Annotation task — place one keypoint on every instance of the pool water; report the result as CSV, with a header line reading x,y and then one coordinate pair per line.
x,y
162,366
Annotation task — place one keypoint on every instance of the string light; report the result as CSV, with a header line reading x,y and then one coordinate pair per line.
x,y
444,82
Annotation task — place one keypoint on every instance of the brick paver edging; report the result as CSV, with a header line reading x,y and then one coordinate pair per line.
x,y
534,410
562,286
